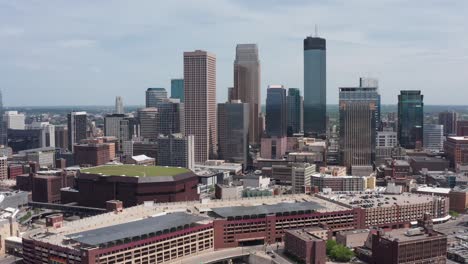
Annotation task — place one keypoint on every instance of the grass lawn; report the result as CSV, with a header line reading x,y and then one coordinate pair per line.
x,y
135,170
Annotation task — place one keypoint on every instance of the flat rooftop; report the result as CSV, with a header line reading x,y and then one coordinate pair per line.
x,y
135,170
263,210
428,189
402,234
374,199
136,229
303,234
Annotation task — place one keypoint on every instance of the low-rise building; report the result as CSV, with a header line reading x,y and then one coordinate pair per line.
x,y
305,247
339,183
352,238
459,199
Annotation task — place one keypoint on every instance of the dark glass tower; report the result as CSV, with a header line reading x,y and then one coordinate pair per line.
x,y
295,109
276,111
410,118
315,85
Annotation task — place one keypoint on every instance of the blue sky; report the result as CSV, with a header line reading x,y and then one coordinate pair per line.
x,y
87,52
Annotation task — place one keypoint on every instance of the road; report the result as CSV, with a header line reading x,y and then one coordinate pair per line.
x,y
452,227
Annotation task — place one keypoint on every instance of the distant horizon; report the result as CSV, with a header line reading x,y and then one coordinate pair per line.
x,y
76,51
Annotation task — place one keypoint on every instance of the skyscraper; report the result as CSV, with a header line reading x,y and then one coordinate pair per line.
x,y
276,111
14,120
154,96
200,102
410,118
171,117
233,131
177,89
373,83
433,137
119,108
112,125
149,119
315,85
358,107
449,120
295,111
176,150
3,129
77,126
247,85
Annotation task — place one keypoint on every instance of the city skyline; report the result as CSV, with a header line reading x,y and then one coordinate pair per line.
x,y
422,50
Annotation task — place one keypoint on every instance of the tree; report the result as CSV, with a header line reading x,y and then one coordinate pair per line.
x,y
341,253
330,245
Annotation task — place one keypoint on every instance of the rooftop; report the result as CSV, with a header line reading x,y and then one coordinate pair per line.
x,y
136,229
303,234
405,235
135,170
375,199
263,210
429,189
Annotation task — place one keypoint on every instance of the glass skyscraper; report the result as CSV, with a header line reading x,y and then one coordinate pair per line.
x,y
410,119
177,89
358,113
154,96
295,110
315,85
276,111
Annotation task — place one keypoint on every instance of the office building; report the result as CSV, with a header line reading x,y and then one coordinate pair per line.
x,y
171,117
295,111
273,147
385,144
296,174
462,128
45,157
14,120
3,168
459,199
456,150
154,96
276,111
77,126
3,127
177,89
200,102
247,85
338,183
358,113
148,119
112,125
303,245
416,245
233,132
94,154
365,82
119,107
22,139
449,120
47,133
176,150
61,136
433,137
315,85
410,119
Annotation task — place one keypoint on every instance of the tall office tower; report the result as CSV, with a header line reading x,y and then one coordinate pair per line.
x,y
247,85
176,150
3,168
295,110
433,137
61,136
149,119
276,111
154,96
14,120
77,126
449,120
233,132
47,133
177,89
373,83
119,107
3,127
112,125
358,107
315,85
231,94
410,118
200,102
171,117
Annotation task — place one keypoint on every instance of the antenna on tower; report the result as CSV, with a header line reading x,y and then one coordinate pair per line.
x,y
316,31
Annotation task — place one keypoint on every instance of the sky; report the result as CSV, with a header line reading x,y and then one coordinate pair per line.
x,y
87,52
